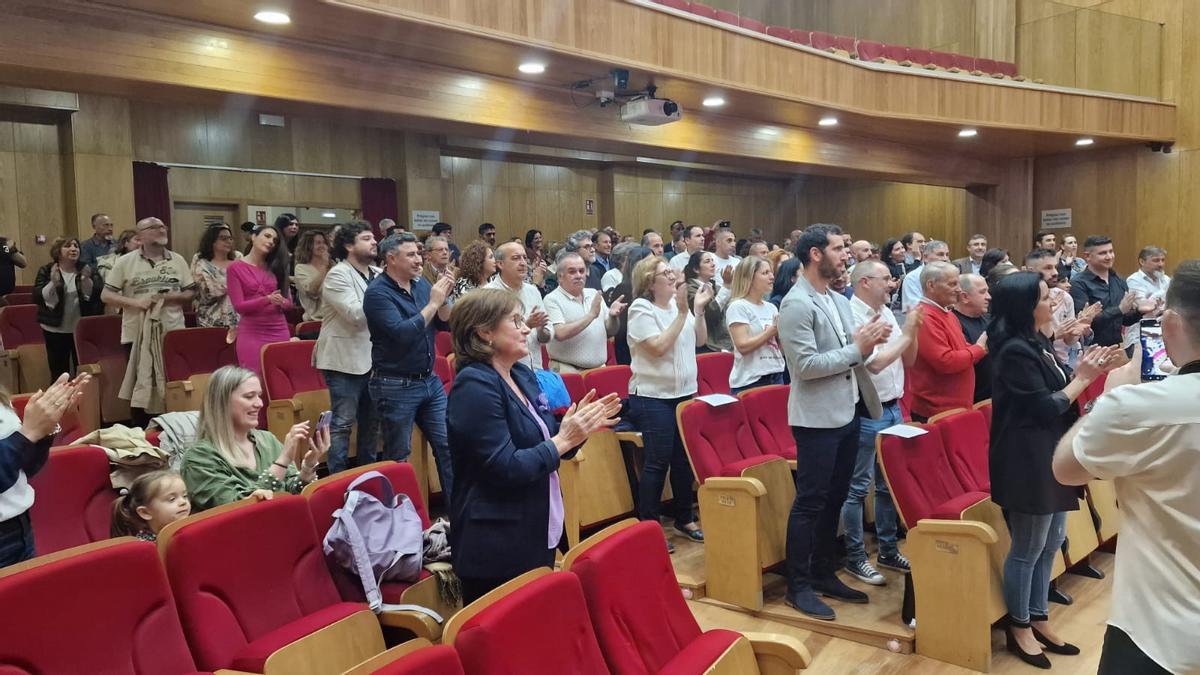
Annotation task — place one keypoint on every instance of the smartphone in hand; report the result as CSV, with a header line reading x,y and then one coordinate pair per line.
x,y
1154,351
324,420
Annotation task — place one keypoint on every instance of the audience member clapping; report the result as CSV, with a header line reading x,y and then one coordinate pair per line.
x,y
700,271
64,291
753,325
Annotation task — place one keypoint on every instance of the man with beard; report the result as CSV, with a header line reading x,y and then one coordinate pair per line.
x,y
831,391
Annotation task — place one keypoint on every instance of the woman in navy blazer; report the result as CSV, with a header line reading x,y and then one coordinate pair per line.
x,y
506,512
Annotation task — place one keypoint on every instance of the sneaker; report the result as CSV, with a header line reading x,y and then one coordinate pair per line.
x,y
863,571
807,602
832,587
896,561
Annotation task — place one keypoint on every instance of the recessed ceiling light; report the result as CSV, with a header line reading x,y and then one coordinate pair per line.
x,y
329,214
968,133
768,131
1084,141
828,121
714,102
532,68
273,17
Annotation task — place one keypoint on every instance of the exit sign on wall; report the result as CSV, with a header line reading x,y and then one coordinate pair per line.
x,y
1056,219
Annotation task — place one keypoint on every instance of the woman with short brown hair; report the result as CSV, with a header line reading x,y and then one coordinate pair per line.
x,y
64,292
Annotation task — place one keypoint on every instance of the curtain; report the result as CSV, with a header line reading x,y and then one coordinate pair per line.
x,y
151,196
379,202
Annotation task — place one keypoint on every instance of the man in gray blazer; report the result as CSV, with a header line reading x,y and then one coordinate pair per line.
x,y
831,390
343,350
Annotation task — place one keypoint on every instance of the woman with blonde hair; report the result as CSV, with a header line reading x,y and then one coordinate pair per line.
x,y
233,458
663,334
476,266
506,509
754,327
313,262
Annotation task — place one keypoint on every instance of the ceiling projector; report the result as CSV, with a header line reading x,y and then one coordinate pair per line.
x,y
651,112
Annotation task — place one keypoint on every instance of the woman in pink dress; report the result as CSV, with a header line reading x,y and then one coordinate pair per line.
x,y
258,289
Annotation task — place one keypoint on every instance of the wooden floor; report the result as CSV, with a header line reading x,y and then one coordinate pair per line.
x,y
1082,623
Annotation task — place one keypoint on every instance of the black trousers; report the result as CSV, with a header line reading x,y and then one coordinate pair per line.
x,y
1122,657
824,465
60,353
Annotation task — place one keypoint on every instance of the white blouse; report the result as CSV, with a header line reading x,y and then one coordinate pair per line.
x,y
672,375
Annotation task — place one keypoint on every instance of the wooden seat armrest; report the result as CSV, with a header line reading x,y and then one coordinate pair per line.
x,y
333,649
634,437
962,528
750,486
577,457
782,653
285,404
792,464
226,671
419,624
185,385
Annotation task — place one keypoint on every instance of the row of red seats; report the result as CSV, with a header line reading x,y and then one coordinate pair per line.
x,y
866,50
246,587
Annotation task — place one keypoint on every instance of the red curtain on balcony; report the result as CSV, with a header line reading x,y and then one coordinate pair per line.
x,y
151,196
379,202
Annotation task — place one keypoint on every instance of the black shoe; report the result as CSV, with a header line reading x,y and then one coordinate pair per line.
x,y
1066,648
695,535
832,587
807,602
1036,660
670,547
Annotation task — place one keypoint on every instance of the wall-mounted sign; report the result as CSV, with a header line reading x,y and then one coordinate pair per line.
x,y
1056,219
260,217
425,220
589,207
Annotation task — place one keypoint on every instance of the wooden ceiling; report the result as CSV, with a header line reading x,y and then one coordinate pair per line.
x,y
911,109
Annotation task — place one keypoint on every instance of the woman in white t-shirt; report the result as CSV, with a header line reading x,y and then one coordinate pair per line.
x,y
754,328
663,335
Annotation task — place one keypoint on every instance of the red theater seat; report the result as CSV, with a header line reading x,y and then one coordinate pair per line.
x,y
536,623
74,499
23,288
844,45
253,589
712,373
921,480
631,589
871,51
675,4
190,356
308,330
701,9
1008,69
415,657
18,299
988,67
444,371
23,360
100,352
718,439
822,41
920,57
781,32
574,384
100,608
766,411
442,343
897,53
963,63
753,24
943,60
328,494
965,437
985,407
72,423
608,380
803,37
294,388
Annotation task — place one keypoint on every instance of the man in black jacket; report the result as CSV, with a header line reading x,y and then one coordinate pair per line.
x,y
1099,283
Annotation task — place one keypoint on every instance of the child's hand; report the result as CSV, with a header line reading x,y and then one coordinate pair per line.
x,y
262,495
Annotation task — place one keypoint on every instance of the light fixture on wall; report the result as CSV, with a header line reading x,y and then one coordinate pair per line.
x,y
532,68
828,121
968,133
329,214
273,16
714,102
1084,142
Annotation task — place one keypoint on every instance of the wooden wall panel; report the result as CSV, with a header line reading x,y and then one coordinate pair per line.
x,y
877,211
31,189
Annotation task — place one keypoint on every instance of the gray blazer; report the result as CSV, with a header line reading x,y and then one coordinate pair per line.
x,y
822,359
344,344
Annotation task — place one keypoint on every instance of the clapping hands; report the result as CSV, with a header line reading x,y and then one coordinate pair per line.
x,y
585,417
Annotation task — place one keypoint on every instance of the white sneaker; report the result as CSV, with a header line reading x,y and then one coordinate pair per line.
x,y
863,571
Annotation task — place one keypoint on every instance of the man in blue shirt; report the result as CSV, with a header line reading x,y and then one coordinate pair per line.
x,y
402,311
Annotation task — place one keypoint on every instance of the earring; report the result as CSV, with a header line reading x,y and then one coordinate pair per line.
x,y
489,343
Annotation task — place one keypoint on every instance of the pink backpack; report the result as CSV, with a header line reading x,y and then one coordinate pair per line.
x,y
377,540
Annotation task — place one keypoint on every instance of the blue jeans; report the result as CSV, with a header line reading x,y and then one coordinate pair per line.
x,y
16,540
824,463
663,449
350,401
402,401
1036,539
860,482
765,380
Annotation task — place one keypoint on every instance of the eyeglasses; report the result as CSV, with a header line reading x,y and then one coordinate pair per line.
x,y
517,320
160,226
224,237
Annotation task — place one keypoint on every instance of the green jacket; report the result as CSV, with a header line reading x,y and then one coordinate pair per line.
x,y
212,480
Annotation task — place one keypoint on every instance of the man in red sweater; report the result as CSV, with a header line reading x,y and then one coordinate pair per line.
x,y
943,377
